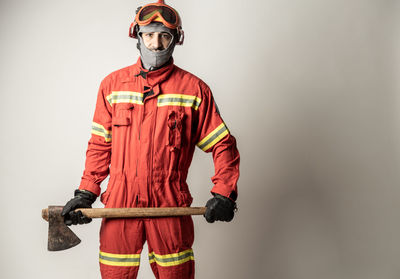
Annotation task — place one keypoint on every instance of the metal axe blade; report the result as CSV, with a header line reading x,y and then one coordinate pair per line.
x,y
60,236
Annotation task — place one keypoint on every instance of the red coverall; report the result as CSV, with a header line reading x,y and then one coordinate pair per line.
x,y
146,145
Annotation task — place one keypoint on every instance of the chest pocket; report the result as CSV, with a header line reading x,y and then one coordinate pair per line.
x,y
175,125
122,115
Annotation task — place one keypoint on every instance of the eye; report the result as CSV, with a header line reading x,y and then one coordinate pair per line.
x,y
166,36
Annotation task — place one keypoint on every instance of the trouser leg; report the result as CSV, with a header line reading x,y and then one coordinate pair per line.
x,y
170,243
121,242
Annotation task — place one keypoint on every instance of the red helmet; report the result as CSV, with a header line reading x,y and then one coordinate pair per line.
x,y
158,12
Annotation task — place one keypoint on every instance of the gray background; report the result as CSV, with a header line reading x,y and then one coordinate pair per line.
x,y
310,89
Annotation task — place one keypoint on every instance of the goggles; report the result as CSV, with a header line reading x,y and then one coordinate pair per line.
x,y
157,12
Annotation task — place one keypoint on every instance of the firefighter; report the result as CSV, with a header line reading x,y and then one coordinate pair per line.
x,y
149,118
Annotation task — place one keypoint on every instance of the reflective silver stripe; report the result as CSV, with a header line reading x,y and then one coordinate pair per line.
x,y
99,130
212,138
168,260
119,259
172,259
129,260
178,100
125,97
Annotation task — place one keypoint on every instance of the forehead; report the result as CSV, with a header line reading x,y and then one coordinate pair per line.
x,y
157,32
154,27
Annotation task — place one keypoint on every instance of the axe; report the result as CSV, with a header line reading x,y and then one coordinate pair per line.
x,y
62,238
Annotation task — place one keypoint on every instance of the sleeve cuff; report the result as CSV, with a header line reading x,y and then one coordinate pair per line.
x,y
90,186
231,194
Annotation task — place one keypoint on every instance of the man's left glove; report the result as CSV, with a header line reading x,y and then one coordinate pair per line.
x,y
82,199
220,208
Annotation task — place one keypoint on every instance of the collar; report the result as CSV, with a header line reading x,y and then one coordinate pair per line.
x,y
152,78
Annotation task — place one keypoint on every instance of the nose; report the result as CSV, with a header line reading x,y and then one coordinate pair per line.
x,y
157,42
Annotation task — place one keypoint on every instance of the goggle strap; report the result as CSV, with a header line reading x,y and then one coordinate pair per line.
x,y
181,36
132,31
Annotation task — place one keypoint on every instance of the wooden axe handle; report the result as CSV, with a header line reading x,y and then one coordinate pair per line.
x,y
136,212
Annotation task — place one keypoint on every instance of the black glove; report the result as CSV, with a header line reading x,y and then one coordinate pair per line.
x,y
220,208
82,199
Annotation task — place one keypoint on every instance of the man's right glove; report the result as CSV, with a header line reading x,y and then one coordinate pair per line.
x,y
220,208
82,199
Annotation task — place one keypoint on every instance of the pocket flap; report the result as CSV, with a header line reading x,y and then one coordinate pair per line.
x,y
124,106
123,114
121,121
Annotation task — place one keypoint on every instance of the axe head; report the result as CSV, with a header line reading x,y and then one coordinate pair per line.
x,y
60,236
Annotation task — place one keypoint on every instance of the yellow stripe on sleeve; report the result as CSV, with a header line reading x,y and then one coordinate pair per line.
x,y
99,130
212,138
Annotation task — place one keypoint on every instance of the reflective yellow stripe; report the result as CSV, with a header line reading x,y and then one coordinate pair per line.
x,y
171,259
131,97
122,256
119,263
119,259
99,130
178,100
212,138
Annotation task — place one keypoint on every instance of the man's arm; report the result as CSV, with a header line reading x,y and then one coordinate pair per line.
x,y
98,154
98,157
214,136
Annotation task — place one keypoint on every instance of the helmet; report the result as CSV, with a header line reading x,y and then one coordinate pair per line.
x,y
158,12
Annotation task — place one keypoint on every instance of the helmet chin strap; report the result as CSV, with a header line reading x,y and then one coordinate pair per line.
x,y
153,60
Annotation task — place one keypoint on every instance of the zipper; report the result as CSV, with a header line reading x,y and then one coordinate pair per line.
x,y
140,129
152,146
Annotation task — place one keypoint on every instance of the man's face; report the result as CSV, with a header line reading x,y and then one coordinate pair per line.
x,y
156,41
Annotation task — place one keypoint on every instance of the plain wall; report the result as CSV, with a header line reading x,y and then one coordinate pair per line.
x,y
309,88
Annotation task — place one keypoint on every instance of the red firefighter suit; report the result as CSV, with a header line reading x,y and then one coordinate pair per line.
x,y
145,129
